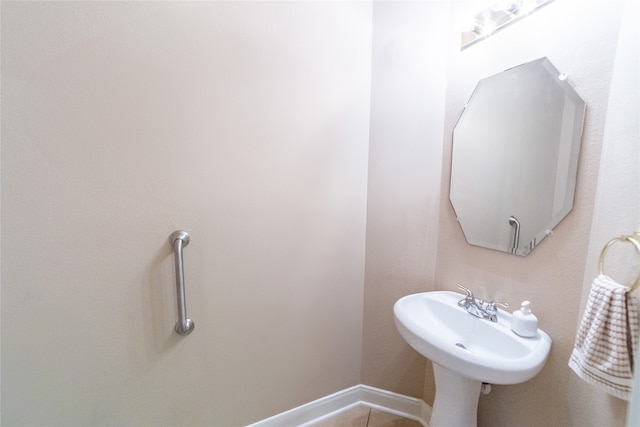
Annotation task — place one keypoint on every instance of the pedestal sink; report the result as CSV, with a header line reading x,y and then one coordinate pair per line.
x,y
466,351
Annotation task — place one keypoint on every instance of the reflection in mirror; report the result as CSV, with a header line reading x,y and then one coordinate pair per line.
x,y
515,157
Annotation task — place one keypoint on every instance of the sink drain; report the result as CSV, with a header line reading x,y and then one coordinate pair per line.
x,y
459,344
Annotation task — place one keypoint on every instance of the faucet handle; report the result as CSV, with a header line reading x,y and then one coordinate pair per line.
x,y
468,300
491,310
495,303
468,291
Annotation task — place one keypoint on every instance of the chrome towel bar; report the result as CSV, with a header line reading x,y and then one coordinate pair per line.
x,y
179,239
513,221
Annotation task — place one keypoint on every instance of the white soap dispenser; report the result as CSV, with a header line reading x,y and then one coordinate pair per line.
x,y
523,322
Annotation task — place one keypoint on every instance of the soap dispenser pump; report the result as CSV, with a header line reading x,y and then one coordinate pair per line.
x,y
523,322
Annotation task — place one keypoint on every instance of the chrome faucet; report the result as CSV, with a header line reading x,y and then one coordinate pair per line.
x,y
480,308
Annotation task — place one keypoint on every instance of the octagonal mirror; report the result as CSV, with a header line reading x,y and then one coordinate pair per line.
x,y
515,157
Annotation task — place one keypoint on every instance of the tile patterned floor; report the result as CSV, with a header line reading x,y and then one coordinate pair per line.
x,y
364,416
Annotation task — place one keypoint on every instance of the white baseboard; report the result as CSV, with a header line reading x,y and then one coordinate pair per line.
x,y
328,406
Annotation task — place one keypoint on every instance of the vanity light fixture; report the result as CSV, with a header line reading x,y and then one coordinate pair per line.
x,y
496,17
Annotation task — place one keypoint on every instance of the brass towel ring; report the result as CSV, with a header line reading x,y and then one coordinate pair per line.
x,y
634,240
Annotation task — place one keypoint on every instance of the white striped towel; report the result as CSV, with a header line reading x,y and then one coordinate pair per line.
x,y
607,338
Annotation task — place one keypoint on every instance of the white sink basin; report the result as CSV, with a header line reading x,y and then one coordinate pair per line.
x,y
434,325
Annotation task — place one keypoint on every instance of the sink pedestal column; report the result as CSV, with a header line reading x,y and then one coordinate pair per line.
x,y
456,402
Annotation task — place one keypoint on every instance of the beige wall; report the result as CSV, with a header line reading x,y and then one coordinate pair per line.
x,y
617,209
245,124
581,41
405,152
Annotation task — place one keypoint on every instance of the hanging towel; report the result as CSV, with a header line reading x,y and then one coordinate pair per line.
x,y
606,338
